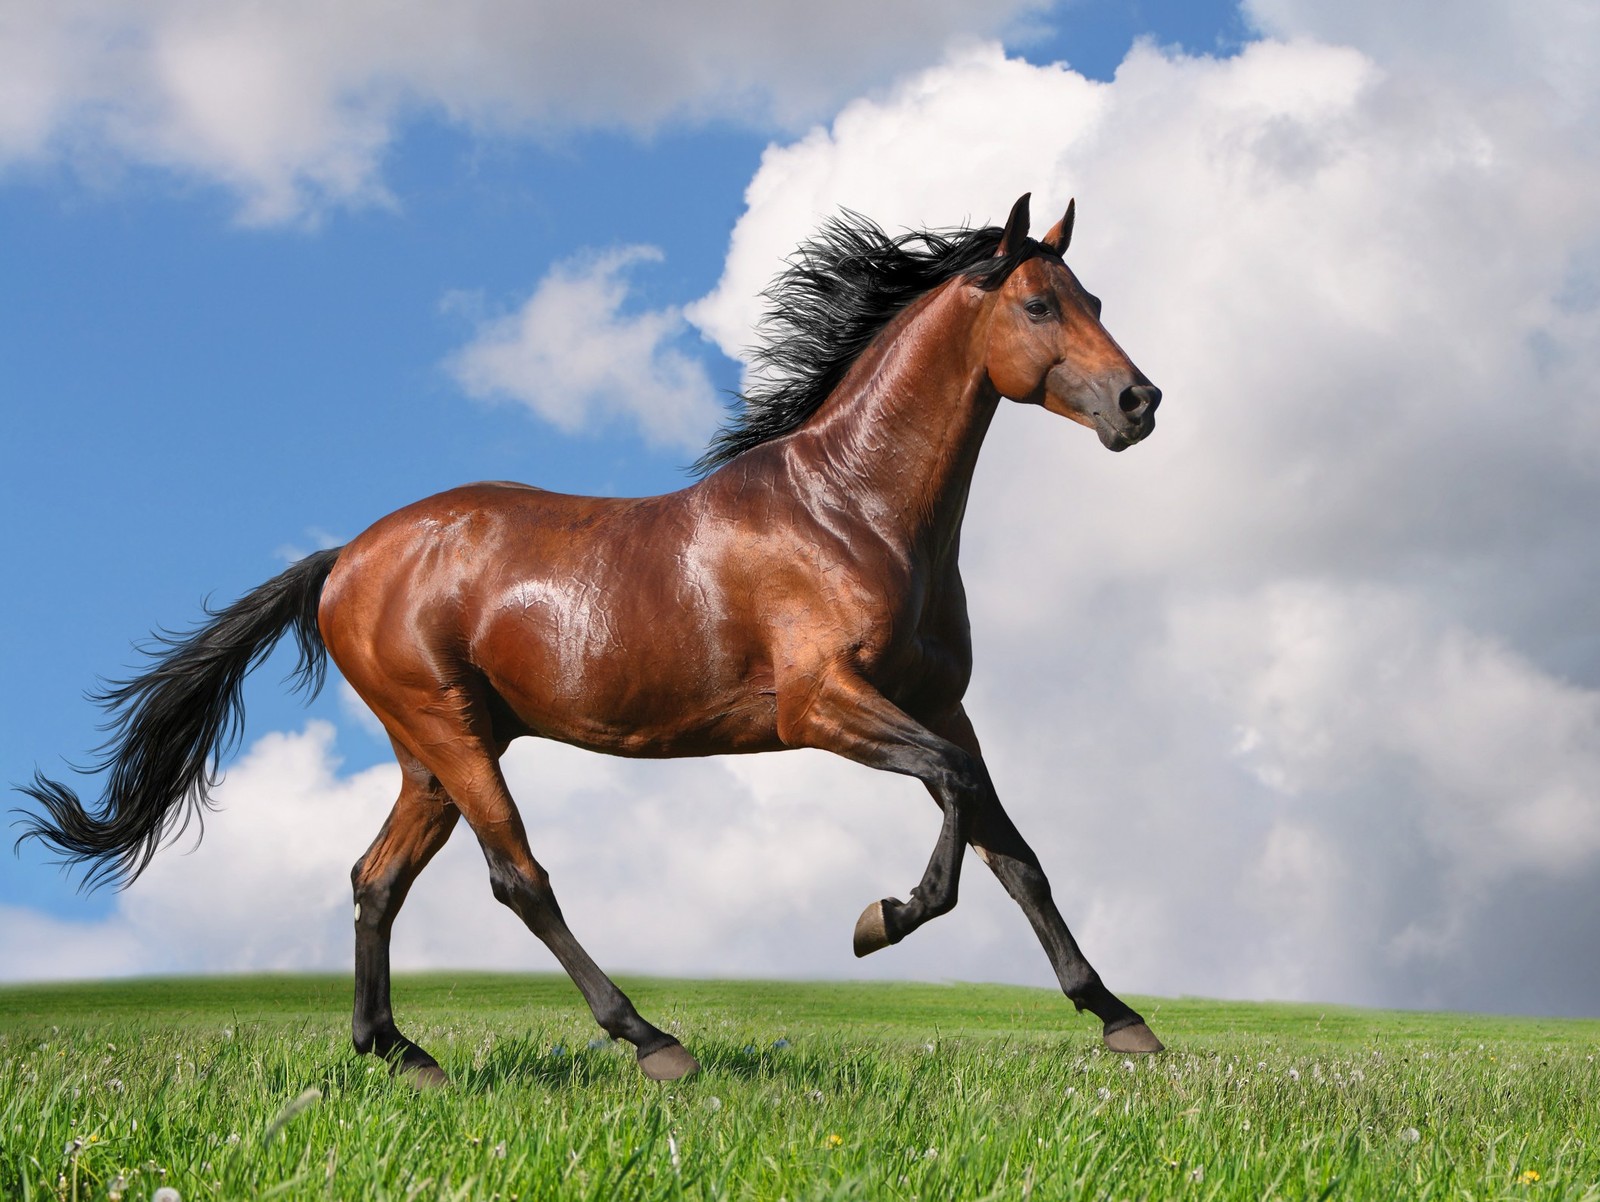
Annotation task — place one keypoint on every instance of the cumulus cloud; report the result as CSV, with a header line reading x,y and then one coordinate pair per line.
x,y
1301,695
754,866
573,356
293,105
1299,699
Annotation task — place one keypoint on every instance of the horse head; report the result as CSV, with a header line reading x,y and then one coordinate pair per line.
x,y
1046,345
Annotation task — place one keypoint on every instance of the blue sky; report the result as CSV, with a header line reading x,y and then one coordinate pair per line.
x,y
1329,638
187,396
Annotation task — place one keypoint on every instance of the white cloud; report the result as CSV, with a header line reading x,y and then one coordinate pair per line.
x,y
1301,698
292,105
1313,670
574,357
755,866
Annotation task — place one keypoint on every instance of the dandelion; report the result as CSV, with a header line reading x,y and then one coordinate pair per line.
x,y
834,1140
1528,1176
713,1103
816,1096
1102,1093
1197,1174
119,1186
1294,1074
166,1194
931,1154
499,1150
1127,1065
1069,1091
1410,1135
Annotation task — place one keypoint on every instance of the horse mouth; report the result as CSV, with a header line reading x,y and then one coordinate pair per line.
x,y
1120,436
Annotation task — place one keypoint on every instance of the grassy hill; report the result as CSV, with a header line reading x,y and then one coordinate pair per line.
x,y
243,1087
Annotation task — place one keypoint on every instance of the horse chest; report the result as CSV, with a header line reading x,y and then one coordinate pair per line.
x,y
921,655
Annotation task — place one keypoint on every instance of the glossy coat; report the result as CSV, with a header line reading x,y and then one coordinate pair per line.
x,y
806,593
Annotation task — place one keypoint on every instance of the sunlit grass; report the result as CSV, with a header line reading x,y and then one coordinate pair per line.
x,y
246,1087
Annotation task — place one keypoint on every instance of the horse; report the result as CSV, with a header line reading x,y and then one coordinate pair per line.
x,y
803,591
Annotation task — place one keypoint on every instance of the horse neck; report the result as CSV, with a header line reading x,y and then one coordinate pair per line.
x,y
898,439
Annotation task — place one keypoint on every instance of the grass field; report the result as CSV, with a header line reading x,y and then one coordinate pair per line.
x,y
247,1087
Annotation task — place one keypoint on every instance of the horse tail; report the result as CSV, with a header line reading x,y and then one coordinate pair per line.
x,y
173,724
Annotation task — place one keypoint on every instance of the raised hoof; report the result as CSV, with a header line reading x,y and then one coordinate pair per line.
x,y
669,1063
872,931
1137,1039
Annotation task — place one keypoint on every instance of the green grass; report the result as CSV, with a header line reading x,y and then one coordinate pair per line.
x,y
809,1091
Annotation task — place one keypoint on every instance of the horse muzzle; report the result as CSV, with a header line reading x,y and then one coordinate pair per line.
x,y
1131,420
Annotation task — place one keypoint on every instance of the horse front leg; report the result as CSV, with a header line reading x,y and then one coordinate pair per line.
x,y
845,714
1001,846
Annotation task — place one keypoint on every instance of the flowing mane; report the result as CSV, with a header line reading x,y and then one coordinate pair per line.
x,y
780,603
839,290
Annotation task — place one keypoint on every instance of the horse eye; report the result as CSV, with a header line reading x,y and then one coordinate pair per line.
x,y
1036,308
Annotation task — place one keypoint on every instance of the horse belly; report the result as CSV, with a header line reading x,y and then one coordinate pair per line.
x,y
624,673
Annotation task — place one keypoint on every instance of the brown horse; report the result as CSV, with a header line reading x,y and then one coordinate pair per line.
x,y
803,593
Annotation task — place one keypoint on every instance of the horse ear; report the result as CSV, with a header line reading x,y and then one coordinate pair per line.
x,y
1016,231
1060,235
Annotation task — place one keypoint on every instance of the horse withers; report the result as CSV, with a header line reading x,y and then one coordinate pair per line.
x,y
803,592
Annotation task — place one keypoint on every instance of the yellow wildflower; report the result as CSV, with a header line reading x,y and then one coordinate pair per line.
x,y
1528,1176
834,1140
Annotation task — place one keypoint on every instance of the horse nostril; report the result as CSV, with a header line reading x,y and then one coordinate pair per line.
x,y
1139,399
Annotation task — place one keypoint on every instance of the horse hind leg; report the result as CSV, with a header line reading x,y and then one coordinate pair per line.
x,y
470,773
418,826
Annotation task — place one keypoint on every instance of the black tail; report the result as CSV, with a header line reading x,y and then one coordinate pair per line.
x,y
172,726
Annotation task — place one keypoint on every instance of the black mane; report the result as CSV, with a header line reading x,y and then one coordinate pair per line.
x,y
840,289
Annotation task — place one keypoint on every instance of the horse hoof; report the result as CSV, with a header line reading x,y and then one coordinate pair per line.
x,y
1137,1039
872,931
669,1063
424,1077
